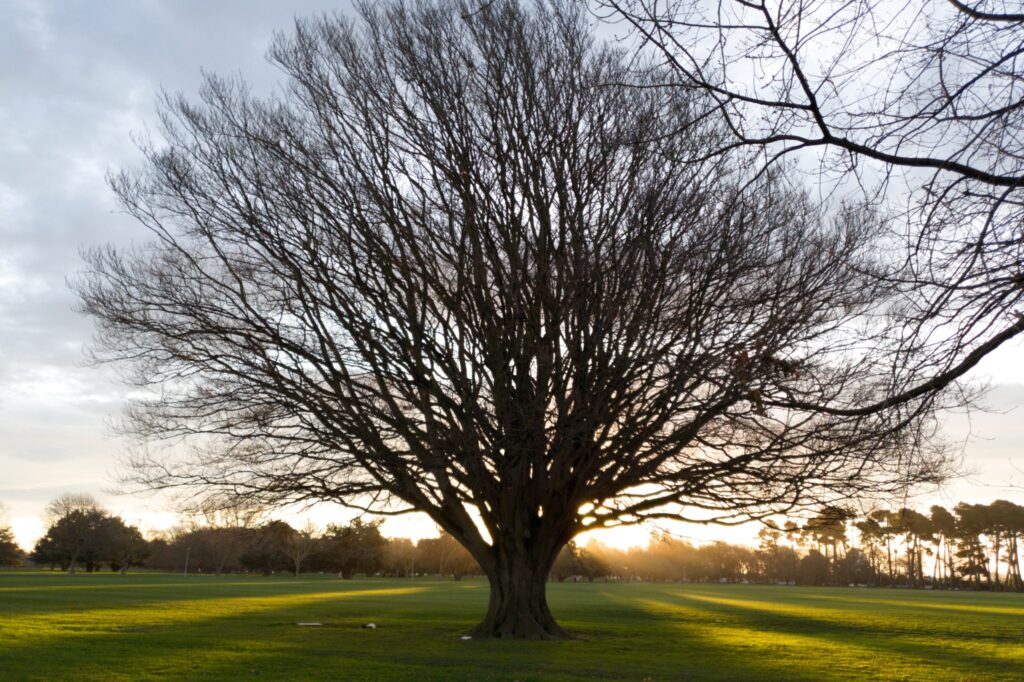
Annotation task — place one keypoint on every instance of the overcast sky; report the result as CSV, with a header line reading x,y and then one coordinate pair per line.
x,y
79,79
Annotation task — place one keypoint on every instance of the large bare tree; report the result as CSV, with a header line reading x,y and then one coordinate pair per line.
x,y
457,267
918,102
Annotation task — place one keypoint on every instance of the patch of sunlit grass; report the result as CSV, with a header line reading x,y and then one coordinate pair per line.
x,y
31,629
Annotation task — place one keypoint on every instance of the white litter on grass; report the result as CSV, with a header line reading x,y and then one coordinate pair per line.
x,y
370,626
309,625
465,637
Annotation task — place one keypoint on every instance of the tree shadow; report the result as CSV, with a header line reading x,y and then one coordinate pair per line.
x,y
852,639
927,606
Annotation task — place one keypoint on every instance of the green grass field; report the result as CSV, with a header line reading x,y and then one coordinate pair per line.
x,y
161,626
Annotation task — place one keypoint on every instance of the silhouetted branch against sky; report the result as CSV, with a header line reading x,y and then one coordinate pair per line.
x,y
919,103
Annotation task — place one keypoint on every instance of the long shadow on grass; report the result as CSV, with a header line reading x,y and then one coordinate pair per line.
x,y
897,599
866,619
820,644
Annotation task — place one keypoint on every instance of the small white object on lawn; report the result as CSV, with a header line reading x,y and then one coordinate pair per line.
x,y
370,626
465,637
309,625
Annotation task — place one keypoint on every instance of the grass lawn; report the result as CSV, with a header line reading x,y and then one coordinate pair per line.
x,y
162,626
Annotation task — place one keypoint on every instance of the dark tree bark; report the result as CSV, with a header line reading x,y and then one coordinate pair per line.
x,y
459,267
517,606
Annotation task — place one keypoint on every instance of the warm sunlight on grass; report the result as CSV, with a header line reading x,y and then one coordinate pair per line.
x,y
31,629
159,626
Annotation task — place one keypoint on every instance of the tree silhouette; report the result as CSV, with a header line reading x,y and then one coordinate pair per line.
x,y
457,268
10,553
944,526
75,533
971,521
357,547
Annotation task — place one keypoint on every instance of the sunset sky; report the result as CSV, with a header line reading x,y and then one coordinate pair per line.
x,y
80,81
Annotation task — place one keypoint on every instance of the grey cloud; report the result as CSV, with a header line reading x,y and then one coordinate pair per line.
x,y
80,79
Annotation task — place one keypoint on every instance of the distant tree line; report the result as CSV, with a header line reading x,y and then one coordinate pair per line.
x,y
356,548
83,535
976,546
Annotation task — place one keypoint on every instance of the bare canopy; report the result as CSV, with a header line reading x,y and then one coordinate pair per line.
x,y
457,267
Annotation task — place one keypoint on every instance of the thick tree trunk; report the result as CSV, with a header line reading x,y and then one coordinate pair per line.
x,y
518,606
